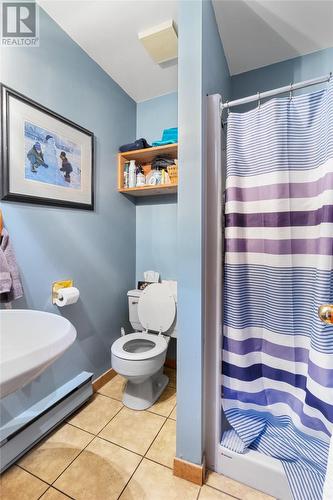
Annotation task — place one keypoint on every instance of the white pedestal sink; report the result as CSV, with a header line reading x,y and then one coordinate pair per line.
x,y
30,341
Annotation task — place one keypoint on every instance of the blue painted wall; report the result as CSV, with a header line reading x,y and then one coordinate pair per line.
x,y
156,236
215,71
154,115
96,249
156,217
277,75
202,70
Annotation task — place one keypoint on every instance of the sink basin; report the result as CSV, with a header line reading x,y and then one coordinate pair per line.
x,y
30,341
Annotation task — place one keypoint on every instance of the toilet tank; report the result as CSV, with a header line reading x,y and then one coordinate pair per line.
x,y
133,300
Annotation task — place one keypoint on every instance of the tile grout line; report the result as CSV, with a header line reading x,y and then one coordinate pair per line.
x,y
77,427
119,446
80,429
158,463
52,487
56,479
127,449
110,397
165,416
153,441
86,405
151,459
31,474
136,468
62,492
174,419
44,492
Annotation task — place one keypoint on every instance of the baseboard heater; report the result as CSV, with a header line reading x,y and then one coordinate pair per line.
x,y
22,432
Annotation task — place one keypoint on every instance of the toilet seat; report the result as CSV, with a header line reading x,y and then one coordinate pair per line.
x,y
139,346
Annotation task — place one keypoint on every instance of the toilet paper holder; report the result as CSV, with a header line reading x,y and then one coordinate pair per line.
x,y
57,285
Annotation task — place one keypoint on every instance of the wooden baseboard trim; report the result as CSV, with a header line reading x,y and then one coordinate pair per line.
x,y
103,379
171,363
189,471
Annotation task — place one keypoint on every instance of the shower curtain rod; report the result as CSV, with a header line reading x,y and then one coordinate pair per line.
x,y
280,90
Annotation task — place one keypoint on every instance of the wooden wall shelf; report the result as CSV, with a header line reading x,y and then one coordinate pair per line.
x,y
145,158
150,190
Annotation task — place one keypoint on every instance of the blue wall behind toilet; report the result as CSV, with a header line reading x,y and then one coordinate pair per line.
x,y
156,216
96,249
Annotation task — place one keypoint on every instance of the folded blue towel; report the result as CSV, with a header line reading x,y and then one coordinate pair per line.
x,y
169,136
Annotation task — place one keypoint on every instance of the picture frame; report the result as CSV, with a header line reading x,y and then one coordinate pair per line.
x,y
45,158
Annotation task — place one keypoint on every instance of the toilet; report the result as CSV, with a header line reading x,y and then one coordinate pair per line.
x,y
139,357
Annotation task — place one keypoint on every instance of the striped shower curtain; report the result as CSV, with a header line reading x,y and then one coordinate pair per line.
x,y
277,356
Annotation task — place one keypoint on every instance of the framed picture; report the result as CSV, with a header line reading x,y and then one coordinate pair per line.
x,y
46,158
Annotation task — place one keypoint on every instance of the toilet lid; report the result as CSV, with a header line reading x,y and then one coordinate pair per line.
x,y
157,308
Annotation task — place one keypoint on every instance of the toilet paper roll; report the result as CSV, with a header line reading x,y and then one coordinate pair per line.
x,y
67,296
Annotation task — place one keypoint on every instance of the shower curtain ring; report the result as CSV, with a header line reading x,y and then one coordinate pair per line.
x,y
258,94
291,91
228,109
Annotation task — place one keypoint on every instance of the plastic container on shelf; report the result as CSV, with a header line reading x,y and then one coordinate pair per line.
x,y
132,174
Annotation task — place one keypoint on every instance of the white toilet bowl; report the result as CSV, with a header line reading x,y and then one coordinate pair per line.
x,y
140,356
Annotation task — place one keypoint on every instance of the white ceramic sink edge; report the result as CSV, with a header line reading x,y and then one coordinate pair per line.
x,y
30,341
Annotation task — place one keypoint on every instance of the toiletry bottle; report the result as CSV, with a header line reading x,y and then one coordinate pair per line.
x,y
126,174
140,177
132,174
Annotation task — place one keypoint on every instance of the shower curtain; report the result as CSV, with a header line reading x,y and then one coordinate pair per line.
x,y
277,356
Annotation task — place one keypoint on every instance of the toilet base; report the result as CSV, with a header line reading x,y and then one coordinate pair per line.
x,y
143,395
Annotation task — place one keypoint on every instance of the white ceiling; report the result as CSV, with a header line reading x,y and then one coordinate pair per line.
x,y
256,33
108,31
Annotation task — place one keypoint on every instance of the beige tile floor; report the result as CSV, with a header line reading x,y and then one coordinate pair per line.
x,y
106,451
